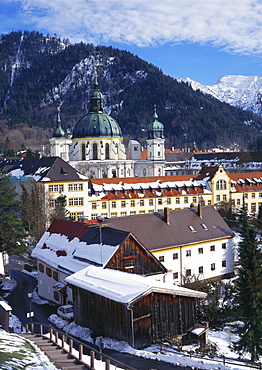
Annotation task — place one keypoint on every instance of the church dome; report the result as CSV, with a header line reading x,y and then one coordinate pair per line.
x,y
96,123
155,129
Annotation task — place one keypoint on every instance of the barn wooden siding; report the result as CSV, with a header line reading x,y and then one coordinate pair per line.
x,y
156,316
144,263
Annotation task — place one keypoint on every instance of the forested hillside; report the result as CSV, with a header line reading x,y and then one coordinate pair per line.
x,y
39,73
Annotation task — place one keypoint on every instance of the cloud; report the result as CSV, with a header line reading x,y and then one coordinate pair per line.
x,y
233,25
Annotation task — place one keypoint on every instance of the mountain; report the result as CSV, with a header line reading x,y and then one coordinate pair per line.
x,y
239,91
39,73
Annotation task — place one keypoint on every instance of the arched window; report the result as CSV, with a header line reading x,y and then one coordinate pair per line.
x,y
144,172
107,151
95,151
221,185
83,152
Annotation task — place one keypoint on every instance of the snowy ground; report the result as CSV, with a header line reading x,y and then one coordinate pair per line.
x,y
222,339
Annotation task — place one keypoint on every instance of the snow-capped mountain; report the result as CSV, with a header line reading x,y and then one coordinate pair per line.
x,y
240,91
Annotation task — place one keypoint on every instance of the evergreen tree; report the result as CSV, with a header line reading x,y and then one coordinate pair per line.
x,y
249,292
60,210
12,232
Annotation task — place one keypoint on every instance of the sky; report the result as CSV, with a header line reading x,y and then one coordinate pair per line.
x,y
200,39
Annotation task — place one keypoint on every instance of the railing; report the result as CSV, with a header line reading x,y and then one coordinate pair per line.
x,y
216,359
84,353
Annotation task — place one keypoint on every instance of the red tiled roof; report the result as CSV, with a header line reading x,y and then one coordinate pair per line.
x,y
245,176
137,180
71,229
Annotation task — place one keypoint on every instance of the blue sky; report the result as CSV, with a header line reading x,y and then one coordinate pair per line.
x,y
200,39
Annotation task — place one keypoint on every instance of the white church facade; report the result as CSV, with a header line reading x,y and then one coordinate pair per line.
x,y
97,149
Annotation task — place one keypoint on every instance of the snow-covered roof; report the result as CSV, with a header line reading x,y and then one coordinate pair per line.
x,y
124,287
59,252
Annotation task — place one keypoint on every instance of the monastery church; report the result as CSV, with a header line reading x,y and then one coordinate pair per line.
x,y
96,148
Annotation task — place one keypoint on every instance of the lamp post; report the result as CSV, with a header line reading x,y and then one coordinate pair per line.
x,y
29,295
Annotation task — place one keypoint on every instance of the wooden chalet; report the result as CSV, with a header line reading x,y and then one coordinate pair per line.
x,y
130,307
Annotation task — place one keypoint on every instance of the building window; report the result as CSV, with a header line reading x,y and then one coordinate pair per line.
x,y
132,212
142,202
260,195
233,202
41,267
123,214
48,272
186,200
114,214
175,275
161,258
132,203
224,198
221,185
224,263
175,256
107,150
123,203
55,275
151,202
83,152
159,201
212,248
213,266
218,198
75,187
253,207
201,270
103,205
253,195
177,200
209,202
75,201
188,272
129,263
79,215
168,201
238,202
56,295
95,151
224,245
52,203
245,195
200,250
113,204
188,253
93,205
56,188
94,216
142,212
194,200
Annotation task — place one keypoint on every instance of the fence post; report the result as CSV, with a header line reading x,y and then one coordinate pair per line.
x,y
80,352
26,328
92,359
56,337
107,364
32,327
70,346
41,329
51,333
224,360
63,341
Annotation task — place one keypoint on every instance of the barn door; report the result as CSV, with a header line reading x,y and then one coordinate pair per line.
x,y
142,331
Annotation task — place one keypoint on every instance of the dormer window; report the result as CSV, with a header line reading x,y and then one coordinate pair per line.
x,y
191,228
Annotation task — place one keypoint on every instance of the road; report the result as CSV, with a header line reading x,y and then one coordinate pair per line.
x,y
20,304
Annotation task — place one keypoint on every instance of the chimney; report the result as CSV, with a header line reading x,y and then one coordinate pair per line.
x,y
200,209
167,215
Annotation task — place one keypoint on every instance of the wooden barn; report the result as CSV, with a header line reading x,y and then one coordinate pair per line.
x,y
130,307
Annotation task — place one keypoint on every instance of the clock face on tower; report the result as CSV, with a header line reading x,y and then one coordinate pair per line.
x,y
157,134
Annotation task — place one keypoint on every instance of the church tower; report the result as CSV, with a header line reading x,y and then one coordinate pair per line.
x,y
97,136
155,140
59,143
